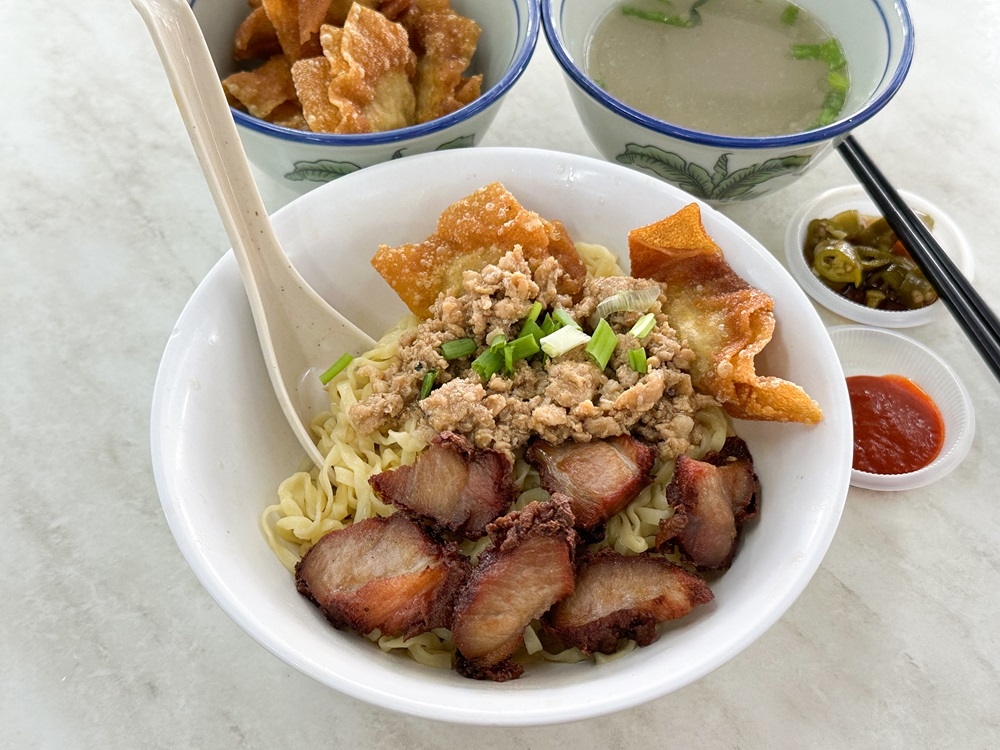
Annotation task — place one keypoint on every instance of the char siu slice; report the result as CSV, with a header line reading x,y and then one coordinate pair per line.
x,y
452,485
712,499
527,568
383,573
599,477
623,596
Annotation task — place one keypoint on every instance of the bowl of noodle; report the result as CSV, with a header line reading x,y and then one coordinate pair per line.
x,y
222,501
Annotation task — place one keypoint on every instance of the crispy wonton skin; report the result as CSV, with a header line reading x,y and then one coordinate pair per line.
x,y
264,89
725,321
471,233
371,64
448,41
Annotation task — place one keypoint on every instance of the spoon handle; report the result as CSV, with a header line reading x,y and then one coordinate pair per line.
x,y
301,324
203,107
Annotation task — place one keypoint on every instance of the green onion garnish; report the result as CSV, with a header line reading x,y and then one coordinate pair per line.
x,y
602,344
643,326
828,51
534,312
488,364
632,300
563,340
838,81
508,359
564,318
523,347
458,348
790,14
497,342
693,18
336,368
425,387
637,360
531,328
548,325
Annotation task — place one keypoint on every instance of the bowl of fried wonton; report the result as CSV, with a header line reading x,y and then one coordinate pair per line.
x,y
321,89
221,447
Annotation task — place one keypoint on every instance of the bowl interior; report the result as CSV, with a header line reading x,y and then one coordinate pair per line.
x,y
508,27
872,351
876,36
212,382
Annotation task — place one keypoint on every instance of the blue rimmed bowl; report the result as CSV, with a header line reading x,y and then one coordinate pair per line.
x,y
877,39
299,161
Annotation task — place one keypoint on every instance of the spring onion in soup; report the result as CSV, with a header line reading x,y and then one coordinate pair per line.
x,y
733,67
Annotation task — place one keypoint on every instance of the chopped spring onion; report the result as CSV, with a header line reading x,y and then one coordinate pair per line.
x,y
548,325
425,387
488,364
686,22
838,81
565,319
563,340
495,339
458,348
336,368
534,312
531,328
790,14
635,300
828,51
523,347
643,326
602,344
637,360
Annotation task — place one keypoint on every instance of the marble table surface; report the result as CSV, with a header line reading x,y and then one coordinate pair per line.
x,y
108,641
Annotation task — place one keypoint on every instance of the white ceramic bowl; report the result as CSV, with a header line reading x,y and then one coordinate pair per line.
x,y
299,161
831,203
877,38
873,351
220,445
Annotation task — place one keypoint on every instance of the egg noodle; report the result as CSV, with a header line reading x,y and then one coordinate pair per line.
x,y
314,502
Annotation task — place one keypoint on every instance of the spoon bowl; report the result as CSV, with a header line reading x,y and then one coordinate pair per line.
x,y
300,334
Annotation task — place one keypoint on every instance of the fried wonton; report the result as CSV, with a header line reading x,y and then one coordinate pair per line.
x,y
312,83
471,233
293,23
725,321
263,90
448,42
371,64
256,38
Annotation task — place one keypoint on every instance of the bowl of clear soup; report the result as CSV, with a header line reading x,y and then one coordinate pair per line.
x,y
727,99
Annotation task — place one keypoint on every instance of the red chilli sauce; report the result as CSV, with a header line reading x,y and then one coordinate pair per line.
x,y
897,427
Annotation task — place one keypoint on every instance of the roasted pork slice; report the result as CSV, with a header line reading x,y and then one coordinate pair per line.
x,y
623,597
452,485
527,568
712,499
599,477
384,573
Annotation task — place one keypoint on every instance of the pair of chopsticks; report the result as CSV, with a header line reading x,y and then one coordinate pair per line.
x,y
970,311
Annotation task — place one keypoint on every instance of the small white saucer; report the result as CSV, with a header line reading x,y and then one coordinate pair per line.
x,y
875,351
832,202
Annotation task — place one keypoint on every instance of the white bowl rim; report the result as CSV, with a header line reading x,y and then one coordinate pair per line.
x,y
492,95
537,711
805,138
954,451
841,198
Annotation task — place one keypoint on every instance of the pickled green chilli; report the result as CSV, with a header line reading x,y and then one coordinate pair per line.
x,y
860,258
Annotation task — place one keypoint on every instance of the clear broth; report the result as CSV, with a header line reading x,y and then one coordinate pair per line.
x,y
733,74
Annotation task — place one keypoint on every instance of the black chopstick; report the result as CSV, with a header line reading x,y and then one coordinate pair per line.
x,y
969,309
